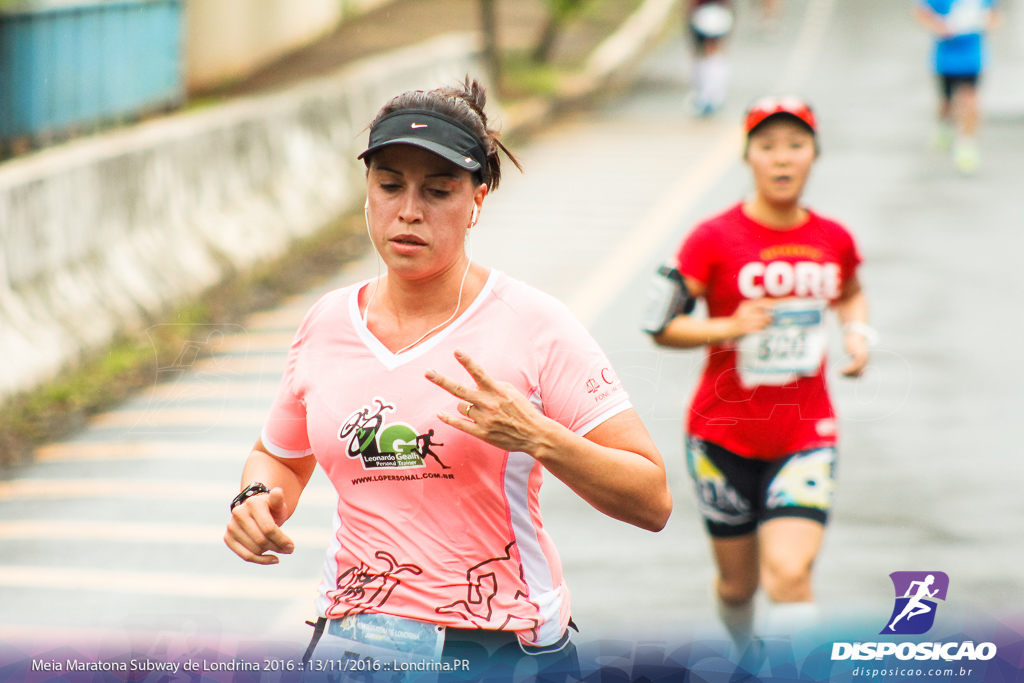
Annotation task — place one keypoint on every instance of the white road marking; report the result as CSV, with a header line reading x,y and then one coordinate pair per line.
x,y
124,450
156,583
636,248
141,532
47,489
205,417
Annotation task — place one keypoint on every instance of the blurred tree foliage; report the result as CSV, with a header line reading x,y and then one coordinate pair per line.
x,y
489,24
560,13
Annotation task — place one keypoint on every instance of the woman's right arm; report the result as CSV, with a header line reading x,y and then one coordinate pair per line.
x,y
686,332
255,525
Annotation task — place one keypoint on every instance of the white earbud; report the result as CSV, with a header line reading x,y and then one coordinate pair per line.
x,y
366,217
476,212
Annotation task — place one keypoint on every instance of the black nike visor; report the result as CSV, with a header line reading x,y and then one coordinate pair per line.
x,y
432,131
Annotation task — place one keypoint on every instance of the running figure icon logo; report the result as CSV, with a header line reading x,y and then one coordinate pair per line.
x,y
916,595
382,445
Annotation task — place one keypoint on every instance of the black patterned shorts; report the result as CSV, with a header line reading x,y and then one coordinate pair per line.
x,y
735,494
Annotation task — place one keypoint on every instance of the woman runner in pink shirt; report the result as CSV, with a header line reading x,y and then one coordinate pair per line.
x,y
435,397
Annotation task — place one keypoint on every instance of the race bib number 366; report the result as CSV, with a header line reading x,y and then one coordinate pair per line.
x,y
792,346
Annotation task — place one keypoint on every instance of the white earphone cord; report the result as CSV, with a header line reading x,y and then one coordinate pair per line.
x,y
462,284
376,257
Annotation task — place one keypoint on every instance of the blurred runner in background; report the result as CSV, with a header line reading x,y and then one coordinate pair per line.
x,y
959,28
710,21
761,432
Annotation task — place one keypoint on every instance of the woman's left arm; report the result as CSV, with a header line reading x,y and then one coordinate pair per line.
x,y
616,467
852,309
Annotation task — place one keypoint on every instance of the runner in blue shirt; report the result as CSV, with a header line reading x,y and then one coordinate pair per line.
x,y
959,28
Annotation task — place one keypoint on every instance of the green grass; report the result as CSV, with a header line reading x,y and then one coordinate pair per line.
x,y
522,77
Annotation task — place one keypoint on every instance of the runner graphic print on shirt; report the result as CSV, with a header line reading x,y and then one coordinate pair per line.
x,y
482,588
424,442
381,445
362,589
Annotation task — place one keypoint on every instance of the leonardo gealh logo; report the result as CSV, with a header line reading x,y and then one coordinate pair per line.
x,y
916,595
379,444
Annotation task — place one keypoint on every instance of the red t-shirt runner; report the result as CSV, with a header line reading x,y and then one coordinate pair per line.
x,y
764,396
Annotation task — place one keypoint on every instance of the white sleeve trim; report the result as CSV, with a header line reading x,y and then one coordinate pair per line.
x,y
619,407
279,452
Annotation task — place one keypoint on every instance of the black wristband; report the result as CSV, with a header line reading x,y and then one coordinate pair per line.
x,y
253,489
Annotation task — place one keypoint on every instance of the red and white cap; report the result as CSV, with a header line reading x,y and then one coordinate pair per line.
x,y
766,107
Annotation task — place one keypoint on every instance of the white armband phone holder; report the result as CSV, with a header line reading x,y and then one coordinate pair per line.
x,y
667,297
869,333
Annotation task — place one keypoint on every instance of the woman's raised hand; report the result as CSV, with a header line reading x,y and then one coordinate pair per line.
x,y
752,315
494,412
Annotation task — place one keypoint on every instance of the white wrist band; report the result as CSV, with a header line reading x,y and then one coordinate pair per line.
x,y
869,333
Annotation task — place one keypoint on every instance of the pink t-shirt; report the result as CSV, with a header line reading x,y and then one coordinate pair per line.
x,y
433,524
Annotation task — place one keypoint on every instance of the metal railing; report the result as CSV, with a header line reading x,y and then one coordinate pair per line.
x,y
69,67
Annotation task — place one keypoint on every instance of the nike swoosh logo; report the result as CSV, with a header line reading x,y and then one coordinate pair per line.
x,y
419,125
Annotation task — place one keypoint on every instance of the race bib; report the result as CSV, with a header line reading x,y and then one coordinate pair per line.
x,y
792,346
380,647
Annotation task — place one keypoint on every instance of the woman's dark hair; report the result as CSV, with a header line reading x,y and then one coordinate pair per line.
x,y
464,103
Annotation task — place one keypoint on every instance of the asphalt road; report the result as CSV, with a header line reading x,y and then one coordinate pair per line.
x,y
118,530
